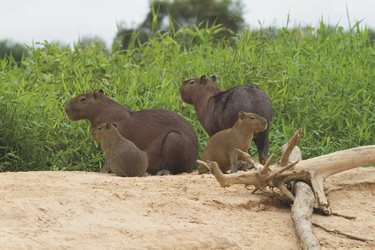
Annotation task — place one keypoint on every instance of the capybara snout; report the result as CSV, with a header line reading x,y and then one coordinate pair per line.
x,y
253,121
97,133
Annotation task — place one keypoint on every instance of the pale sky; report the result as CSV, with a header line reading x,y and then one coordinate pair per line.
x,y
28,21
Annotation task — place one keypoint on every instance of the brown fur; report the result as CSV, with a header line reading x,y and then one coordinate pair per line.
x,y
217,109
167,137
123,156
221,147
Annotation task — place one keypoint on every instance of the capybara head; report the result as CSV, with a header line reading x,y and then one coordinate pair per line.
x,y
252,121
102,130
192,89
83,106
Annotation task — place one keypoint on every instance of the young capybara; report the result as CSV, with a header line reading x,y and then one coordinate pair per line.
x,y
217,109
167,137
123,157
221,147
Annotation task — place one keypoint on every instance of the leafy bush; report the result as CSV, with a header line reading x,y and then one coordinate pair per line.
x,y
322,81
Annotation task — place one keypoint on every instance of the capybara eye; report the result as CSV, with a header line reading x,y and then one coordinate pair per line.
x,y
99,128
83,99
252,117
192,82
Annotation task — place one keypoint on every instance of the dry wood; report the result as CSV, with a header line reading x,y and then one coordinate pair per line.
x,y
301,215
289,149
312,171
303,207
298,173
341,233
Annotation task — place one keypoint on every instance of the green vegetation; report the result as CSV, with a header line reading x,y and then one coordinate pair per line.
x,y
164,15
16,50
322,81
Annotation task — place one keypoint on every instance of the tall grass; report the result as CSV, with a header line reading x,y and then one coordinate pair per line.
x,y
322,82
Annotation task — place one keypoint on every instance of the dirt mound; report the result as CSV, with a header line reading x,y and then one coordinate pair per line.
x,y
92,210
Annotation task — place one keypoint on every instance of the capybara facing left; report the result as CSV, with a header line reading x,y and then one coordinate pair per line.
x,y
123,157
167,137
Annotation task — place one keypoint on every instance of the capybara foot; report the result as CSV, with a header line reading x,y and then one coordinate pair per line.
x,y
164,172
262,159
208,172
104,169
242,165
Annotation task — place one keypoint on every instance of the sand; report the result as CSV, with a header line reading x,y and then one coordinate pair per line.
x,y
79,210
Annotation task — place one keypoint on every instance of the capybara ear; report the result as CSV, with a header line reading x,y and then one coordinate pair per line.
x,y
96,93
114,124
101,91
109,125
213,77
203,79
241,115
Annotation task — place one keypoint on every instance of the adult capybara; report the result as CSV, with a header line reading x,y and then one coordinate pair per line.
x,y
217,109
123,157
221,147
167,137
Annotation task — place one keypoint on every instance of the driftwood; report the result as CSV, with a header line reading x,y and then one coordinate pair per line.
x,y
301,215
341,233
312,171
305,176
302,208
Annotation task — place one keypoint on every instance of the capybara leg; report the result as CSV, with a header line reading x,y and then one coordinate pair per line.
x,y
163,172
179,155
241,164
234,163
263,144
241,161
104,168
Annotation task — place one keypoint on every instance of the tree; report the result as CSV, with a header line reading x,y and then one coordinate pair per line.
x,y
16,50
88,41
186,13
